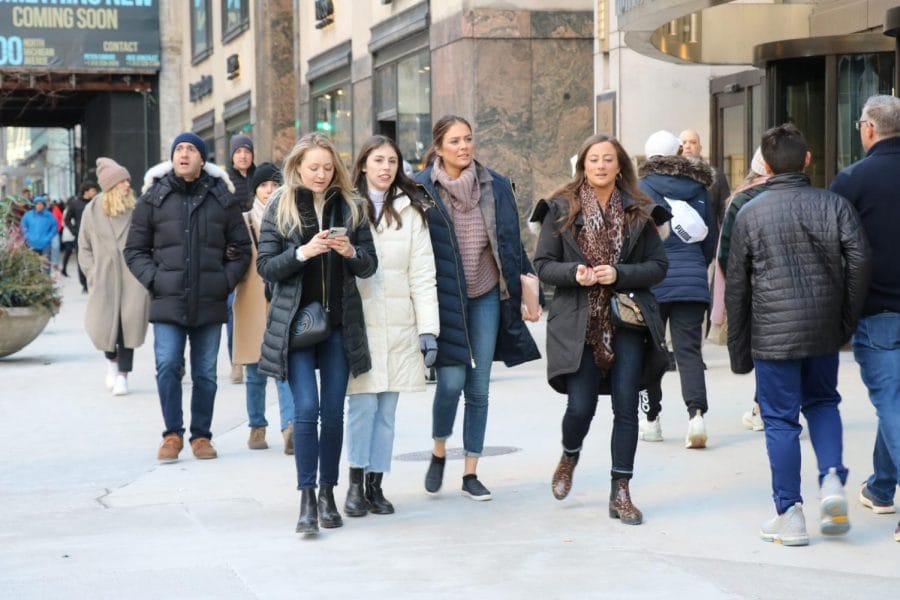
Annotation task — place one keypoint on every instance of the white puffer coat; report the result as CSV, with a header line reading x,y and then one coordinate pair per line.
x,y
399,304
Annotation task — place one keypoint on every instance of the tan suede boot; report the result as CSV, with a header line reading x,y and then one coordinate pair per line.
x,y
257,439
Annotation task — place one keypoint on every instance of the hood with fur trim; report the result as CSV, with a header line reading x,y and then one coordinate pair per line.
x,y
678,166
157,172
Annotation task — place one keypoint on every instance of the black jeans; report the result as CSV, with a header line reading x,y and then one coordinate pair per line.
x,y
686,323
583,387
123,356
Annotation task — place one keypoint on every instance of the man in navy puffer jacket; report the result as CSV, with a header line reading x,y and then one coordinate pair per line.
x,y
669,178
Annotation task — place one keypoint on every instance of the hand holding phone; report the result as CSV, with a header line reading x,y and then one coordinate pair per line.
x,y
336,231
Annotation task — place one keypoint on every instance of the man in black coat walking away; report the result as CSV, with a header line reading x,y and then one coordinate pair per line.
x,y
72,218
189,247
871,187
798,271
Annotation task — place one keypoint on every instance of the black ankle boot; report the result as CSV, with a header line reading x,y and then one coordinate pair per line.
x,y
378,504
329,517
356,504
309,514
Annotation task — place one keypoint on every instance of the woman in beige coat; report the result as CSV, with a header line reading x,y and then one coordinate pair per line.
x,y
401,315
118,306
250,309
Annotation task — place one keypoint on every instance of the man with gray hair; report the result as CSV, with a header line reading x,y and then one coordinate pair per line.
x,y
871,185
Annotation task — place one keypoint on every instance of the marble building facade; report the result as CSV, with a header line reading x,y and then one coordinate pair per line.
x,y
520,71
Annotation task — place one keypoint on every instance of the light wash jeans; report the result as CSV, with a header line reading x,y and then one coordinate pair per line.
x,y
483,323
370,430
876,346
256,399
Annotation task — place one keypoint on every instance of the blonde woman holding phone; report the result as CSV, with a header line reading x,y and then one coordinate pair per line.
x,y
305,262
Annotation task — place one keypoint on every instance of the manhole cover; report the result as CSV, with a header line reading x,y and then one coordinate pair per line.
x,y
457,453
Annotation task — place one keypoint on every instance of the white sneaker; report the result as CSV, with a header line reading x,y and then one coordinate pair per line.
x,y
788,529
120,386
696,433
752,421
112,369
649,431
833,508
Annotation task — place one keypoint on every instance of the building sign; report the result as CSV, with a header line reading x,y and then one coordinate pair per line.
x,y
201,89
79,35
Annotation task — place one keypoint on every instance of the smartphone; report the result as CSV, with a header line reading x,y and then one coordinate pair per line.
x,y
336,231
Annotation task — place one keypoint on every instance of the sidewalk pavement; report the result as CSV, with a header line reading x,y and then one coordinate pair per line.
x,y
86,510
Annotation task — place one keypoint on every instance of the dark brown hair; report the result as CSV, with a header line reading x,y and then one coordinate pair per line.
x,y
400,185
784,149
439,131
626,182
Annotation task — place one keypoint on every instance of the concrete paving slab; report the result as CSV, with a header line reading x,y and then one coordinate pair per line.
x,y
86,511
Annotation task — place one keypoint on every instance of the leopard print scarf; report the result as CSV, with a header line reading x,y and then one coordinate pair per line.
x,y
601,240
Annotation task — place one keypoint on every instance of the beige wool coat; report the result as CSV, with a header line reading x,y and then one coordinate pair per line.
x,y
249,308
113,292
399,304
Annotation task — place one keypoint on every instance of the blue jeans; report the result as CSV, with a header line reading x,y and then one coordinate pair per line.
x,y
229,326
583,387
370,430
256,399
168,346
784,389
314,450
876,347
483,317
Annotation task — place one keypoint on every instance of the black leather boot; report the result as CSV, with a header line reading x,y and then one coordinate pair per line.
x,y
377,502
309,515
329,517
356,504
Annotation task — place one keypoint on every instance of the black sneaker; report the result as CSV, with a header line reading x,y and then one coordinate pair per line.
x,y
474,489
435,475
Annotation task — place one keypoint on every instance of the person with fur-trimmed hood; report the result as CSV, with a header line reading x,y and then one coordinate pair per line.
x,y
189,247
680,184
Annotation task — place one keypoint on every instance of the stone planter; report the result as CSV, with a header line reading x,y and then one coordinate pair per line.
x,y
19,327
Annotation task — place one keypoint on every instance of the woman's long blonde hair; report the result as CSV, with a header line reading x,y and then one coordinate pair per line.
x,y
116,202
287,219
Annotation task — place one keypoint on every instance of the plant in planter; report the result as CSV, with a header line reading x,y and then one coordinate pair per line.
x,y
28,296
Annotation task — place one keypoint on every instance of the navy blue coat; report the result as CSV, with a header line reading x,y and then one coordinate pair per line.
x,y
679,178
871,186
514,342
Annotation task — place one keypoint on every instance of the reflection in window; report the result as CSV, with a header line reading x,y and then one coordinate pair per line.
x,y
235,17
734,144
800,99
403,104
201,15
333,118
859,77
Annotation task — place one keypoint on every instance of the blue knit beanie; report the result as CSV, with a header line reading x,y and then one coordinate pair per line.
x,y
191,138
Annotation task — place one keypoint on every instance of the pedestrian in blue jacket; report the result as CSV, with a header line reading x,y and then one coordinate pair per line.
x,y
39,228
680,185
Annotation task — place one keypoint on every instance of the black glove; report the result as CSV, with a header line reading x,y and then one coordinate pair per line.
x,y
428,346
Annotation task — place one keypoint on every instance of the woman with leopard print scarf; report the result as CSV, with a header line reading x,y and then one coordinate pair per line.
x,y
597,238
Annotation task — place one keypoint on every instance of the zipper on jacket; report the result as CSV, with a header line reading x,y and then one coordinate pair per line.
x,y
458,286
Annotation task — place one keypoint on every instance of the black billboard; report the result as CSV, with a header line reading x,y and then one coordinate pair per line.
x,y
79,35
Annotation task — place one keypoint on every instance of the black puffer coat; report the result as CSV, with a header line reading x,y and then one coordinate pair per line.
x,y
798,271
176,246
642,264
277,263
242,190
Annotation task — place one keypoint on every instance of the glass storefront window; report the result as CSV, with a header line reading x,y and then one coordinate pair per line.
x,y
403,104
859,77
333,117
799,99
735,142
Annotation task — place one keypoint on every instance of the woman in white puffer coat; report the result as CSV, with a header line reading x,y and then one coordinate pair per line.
x,y
401,315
